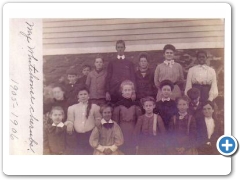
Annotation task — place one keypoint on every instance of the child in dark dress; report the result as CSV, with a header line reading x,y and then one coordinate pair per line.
x,y
149,130
166,107
54,136
126,113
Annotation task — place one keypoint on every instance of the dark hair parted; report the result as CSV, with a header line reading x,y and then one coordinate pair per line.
x,y
169,46
184,98
58,108
104,106
86,66
208,102
89,106
59,86
166,83
143,55
148,98
193,93
120,42
99,57
71,71
202,52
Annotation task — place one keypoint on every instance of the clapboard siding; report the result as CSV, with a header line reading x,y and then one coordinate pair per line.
x,y
132,37
205,29
136,42
128,25
81,34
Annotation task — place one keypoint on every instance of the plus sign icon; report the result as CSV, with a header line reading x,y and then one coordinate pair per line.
x,y
227,145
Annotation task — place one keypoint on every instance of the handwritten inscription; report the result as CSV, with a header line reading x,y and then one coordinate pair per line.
x,y
33,78
14,109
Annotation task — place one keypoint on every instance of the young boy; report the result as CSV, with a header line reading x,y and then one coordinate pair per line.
x,y
72,87
85,71
166,107
195,106
144,79
96,81
119,70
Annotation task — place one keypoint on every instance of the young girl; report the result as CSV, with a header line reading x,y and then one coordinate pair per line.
x,y
209,130
107,136
55,133
166,107
96,82
170,70
125,114
82,118
149,130
182,130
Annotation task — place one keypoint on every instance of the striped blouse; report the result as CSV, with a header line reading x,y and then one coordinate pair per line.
x,y
165,72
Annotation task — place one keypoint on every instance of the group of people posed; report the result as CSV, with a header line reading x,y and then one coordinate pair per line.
x,y
121,111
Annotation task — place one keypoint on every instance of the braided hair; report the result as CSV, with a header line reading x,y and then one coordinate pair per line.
x,y
89,106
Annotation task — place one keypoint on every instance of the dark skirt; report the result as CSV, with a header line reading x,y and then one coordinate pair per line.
x,y
204,91
78,144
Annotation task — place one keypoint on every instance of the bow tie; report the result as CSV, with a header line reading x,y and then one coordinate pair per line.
x,y
121,57
165,99
169,63
194,105
108,125
55,129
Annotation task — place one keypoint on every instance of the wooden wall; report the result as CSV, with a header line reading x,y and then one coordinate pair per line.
x,y
81,36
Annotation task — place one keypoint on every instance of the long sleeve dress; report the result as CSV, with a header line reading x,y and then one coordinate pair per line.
x,y
54,139
126,114
173,73
106,135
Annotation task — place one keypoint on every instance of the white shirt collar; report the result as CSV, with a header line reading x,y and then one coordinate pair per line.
x,y
86,103
166,99
103,121
182,115
59,125
210,126
123,56
204,66
169,63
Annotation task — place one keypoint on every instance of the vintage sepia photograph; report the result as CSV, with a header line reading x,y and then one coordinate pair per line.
x,y
132,86
149,87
